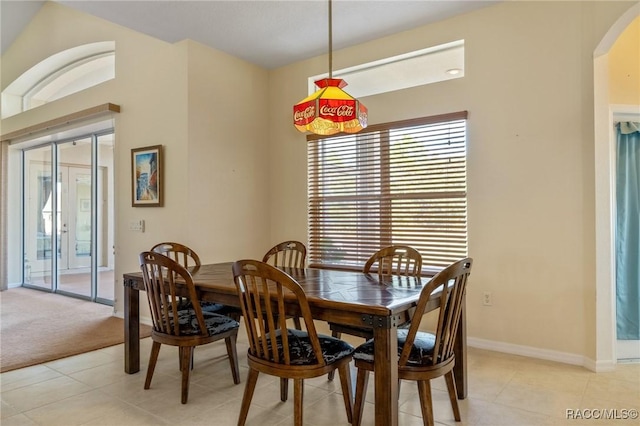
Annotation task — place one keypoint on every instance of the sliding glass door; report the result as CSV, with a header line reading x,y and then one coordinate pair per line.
x,y
104,188
71,216
74,215
40,195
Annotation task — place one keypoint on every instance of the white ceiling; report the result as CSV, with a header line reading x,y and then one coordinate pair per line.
x,y
269,33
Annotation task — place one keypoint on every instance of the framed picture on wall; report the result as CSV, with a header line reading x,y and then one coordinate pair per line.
x,y
146,176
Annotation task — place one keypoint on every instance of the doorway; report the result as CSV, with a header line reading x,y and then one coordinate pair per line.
x,y
606,350
626,240
68,221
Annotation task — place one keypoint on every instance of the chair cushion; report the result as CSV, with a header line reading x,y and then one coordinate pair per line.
x,y
301,351
215,323
421,351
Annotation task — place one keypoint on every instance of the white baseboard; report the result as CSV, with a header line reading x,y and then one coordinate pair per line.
x,y
546,354
628,350
601,366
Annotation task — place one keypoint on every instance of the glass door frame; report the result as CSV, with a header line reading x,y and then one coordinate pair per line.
x,y
95,170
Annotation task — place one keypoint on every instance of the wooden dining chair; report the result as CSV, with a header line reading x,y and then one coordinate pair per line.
x,y
287,254
395,260
182,254
392,260
264,292
424,356
175,325
188,258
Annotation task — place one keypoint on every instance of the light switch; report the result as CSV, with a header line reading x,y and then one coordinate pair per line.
x,y
136,225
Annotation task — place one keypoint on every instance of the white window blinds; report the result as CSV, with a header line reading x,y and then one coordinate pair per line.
x,y
395,183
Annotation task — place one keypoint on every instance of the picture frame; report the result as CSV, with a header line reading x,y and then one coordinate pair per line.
x,y
147,180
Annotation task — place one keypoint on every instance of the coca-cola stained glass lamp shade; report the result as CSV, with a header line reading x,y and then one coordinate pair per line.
x,y
330,110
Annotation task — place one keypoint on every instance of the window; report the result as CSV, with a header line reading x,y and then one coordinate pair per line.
x,y
394,183
426,66
60,75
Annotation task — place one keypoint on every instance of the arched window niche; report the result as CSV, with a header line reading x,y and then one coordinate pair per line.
x,y
60,75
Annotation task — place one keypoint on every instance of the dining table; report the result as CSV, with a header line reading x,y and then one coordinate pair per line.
x,y
379,302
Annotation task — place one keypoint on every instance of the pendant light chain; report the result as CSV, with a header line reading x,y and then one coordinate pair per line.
x,y
330,45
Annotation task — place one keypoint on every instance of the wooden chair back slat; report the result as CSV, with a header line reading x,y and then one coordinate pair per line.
x,y
395,260
247,304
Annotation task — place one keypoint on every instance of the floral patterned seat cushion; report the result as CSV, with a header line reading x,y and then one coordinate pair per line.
x,y
301,351
421,352
215,323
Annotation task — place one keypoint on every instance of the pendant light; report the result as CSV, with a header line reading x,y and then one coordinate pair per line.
x,y
330,109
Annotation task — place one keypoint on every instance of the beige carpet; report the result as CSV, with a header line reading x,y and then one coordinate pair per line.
x,y
37,327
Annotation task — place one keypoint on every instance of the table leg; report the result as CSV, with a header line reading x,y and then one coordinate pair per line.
x,y
386,374
131,329
460,349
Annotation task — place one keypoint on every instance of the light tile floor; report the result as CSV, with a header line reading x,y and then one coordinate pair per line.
x,y
93,389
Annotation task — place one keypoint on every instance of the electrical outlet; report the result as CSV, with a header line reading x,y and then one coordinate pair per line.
x,y
486,298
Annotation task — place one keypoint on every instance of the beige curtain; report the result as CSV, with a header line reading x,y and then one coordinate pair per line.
x,y
4,150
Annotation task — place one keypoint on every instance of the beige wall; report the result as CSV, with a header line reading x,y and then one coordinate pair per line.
x,y
624,67
183,97
236,167
227,172
528,87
